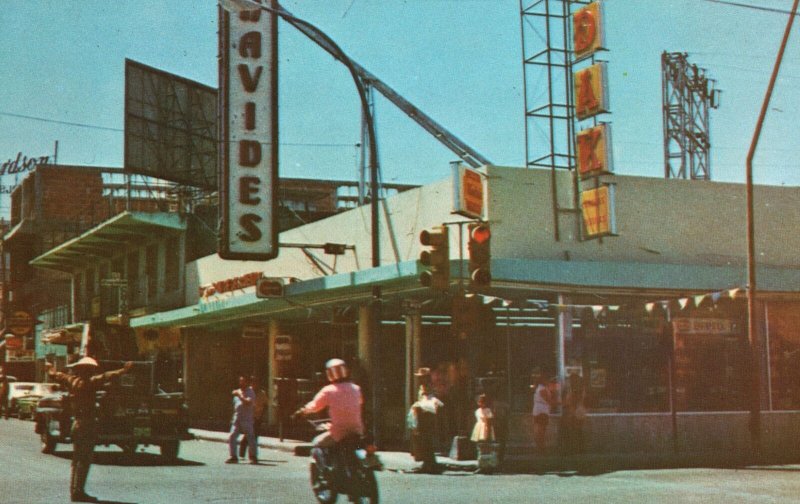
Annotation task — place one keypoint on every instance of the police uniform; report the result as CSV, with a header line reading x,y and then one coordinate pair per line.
x,y
84,425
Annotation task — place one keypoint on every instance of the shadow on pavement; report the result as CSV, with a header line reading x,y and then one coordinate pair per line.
x,y
137,459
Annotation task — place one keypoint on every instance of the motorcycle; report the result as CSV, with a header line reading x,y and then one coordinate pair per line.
x,y
348,468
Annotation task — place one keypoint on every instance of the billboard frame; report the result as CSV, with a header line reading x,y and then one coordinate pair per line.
x,y
189,117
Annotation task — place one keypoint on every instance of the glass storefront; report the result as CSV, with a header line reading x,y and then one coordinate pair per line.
x,y
783,341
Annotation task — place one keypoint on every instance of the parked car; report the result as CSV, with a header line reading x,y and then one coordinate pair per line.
x,y
16,390
26,404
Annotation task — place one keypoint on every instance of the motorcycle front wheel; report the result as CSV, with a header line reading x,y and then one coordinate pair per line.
x,y
321,486
368,488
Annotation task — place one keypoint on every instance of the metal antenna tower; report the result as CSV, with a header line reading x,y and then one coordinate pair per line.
x,y
547,82
686,97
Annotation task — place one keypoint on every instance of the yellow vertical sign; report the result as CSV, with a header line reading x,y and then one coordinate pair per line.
x,y
597,206
587,30
591,91
594,152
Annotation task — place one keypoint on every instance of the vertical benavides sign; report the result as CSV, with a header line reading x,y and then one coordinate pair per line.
x,y
248,98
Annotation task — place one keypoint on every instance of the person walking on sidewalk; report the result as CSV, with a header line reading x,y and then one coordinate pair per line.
x,y
259,406
83,385
244,399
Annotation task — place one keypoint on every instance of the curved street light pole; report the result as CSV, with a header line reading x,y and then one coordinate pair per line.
x,y
328,44
752,326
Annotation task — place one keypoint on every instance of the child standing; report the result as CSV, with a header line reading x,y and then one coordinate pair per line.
x,y
483,435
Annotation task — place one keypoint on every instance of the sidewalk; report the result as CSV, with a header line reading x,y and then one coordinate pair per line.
x,y
392,461
522,460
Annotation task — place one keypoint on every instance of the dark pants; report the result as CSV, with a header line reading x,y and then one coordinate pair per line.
x,y
83,440
4,406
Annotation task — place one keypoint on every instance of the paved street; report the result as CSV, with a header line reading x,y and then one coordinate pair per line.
x,y
201,476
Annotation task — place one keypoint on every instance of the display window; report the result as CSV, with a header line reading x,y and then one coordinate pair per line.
x,y
783,341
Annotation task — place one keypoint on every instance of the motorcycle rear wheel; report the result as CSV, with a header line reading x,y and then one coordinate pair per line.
x,y
321,486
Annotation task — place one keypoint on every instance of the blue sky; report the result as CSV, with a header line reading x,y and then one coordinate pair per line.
x,y
457,60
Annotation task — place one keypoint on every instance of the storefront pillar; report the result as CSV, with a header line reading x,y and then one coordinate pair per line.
x,y
365,340
564,335
272,373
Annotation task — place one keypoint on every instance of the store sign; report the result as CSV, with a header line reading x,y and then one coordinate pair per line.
x,y
591,91
587,30
249,135
22,164
283,348
468,192
594,151
230,284
255,332
704,326
597,206
20,355
14,342
20,323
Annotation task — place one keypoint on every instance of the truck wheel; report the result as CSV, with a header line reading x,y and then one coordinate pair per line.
x,y
48,443
169,450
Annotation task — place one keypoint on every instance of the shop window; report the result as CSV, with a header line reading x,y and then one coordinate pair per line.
x,y
783,338
621,355
711,361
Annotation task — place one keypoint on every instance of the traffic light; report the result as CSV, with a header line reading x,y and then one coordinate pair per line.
x,y
437,258
480,238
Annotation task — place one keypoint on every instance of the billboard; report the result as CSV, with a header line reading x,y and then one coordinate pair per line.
x,y
170,127
248,160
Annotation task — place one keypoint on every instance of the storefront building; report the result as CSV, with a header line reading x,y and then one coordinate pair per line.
x,y
654,318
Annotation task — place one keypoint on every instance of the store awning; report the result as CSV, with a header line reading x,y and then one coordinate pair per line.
x,y
109,239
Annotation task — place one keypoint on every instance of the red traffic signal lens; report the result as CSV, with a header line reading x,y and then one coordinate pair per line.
x,y
480,234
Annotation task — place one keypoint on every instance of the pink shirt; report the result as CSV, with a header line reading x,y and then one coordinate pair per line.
x,y
343,401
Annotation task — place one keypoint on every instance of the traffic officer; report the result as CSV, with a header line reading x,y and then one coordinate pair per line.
x,y
82,385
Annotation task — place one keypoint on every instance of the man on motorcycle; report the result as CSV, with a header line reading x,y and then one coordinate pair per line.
x,y
343,399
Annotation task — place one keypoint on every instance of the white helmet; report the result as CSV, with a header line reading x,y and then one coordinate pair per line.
x,y
336,369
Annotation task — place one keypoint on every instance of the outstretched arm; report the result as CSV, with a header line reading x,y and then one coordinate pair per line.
x,y
108,375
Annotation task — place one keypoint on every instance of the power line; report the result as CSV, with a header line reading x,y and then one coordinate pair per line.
x,y
750,6
55,121
120,130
